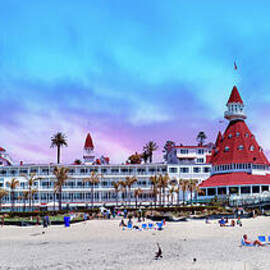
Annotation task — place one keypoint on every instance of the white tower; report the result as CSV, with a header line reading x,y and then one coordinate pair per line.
x,y
235,107
88,156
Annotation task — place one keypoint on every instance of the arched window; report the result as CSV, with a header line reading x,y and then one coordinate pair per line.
x,y
237,134
241,147
230,135
246,135
227,148
251,148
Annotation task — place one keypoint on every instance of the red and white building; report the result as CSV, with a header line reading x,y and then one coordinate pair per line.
x,y
239,165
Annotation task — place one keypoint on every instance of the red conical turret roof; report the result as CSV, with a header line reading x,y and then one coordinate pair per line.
x,y
219,138
238,146
235,96
88,145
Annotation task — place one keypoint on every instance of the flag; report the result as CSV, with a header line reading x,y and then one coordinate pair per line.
x,y
235,66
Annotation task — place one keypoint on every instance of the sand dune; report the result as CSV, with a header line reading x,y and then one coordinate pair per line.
x,y
101,244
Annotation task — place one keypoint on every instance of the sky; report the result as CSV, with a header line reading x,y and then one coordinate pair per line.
x,y
128,72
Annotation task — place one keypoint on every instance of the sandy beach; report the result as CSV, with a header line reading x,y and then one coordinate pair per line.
x,y
101,244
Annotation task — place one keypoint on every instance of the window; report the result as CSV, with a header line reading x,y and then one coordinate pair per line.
x,y
206,169
237,134
222,191
200,160
241,147
184,170
230,135
233,190
200,151
184,151
265,188
211,192
173,170
255,189
246,135
196,169
245,190
227,148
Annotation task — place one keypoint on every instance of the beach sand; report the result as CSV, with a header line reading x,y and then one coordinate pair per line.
x,y
101,244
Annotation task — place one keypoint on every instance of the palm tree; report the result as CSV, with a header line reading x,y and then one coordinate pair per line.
x,y
33,192
201,138
171,193
31,180
165,179
145,156
199,191
130,181
58,140
13,184
3,193
94,179
116,186
150,148
154,180
123,185
176,190
25,197
184,184
137,193
61,175
192,186
160,186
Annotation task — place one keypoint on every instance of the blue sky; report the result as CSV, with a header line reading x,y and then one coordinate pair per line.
x,y
128,72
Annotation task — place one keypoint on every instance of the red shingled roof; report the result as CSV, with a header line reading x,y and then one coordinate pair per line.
x,y
238,145
88,143
2,149
235,96
233,179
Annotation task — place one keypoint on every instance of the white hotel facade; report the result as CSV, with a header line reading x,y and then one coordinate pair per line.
x,y
183,162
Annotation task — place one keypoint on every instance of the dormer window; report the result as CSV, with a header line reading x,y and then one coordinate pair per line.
x,y
241,147
246,135
230,135
227,148
251,148
237,134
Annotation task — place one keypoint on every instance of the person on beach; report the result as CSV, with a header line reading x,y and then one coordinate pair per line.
x,y
222,222
85,217
239,222
232,223
207,220
254,243
122,223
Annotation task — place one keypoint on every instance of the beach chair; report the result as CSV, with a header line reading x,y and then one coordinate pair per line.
x,y
159,225
144,226
129,226
150,226
262,238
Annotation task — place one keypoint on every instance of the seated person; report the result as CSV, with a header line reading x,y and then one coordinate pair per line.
x,y
222,222
239,222
254,243
130,222
232,223
122,223
226,220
